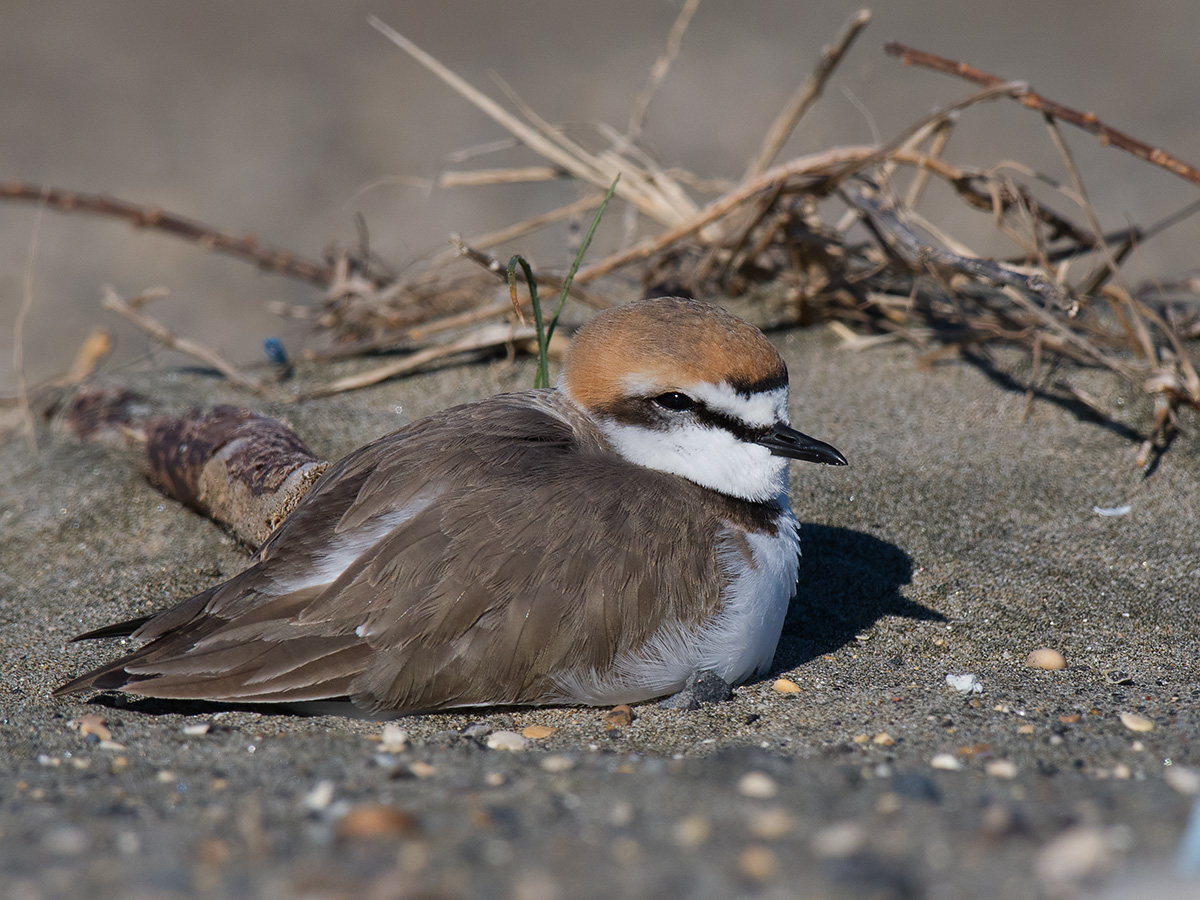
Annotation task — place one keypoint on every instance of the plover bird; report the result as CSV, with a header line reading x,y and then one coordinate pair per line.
x,y
592,544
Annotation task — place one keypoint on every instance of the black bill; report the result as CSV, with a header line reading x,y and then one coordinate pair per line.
x,y
785,441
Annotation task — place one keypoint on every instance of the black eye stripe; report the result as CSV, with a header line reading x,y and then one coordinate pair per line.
x,y
645,412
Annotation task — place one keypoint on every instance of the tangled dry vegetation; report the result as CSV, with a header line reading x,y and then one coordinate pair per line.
x,y
836,237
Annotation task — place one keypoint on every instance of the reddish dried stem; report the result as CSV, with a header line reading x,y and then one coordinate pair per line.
x,y
1087,121
245,247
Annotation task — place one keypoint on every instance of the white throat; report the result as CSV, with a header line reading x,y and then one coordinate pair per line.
x,y
711,457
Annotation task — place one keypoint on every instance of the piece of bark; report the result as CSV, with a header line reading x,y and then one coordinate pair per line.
x,y
239,468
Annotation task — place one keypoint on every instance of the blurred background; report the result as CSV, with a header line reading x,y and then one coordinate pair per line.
x,y
287,119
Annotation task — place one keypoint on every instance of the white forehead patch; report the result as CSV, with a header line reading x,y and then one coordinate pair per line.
x,y
762,409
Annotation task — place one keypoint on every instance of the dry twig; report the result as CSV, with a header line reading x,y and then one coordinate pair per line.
x,y
128,310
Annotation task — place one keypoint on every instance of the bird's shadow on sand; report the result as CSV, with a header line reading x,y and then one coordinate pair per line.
x,y
848,581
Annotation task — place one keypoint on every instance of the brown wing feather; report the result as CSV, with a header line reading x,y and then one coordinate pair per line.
x,y
477,599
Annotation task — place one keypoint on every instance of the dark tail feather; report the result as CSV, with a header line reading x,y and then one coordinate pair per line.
x,y
110,677
116,629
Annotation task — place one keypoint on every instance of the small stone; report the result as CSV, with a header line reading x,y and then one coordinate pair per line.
x,y
1046,658
1183,779
374,820
556,762
965,684
758,863
839,841
213,852
1025,729
198,729
700,689
537,732
758,785
861,738
393,739
1001,768
494,779
1078,854
92,724
772,824
166,776
422,769
620,716
888,803
506,740
1070,720
1122,772
117,766
883,739
785,686
319,798
947,762
111,745
1134,722
692,831
1137,746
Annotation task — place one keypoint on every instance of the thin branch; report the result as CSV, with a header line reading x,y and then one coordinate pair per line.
x,y
808,94
662,65
247,248
1087,121
496,335
128,310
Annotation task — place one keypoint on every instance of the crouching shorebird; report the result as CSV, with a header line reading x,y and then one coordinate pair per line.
x,y
592,544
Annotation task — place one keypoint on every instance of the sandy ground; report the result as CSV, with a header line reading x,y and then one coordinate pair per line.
x,y
959,539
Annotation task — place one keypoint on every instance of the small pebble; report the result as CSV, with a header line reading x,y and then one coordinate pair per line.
x,y
1001,768
319,798
393,739
692,831
758,863
861,738
198,729
883,739
946,761
620,716
758,785
92,724
1025,729
166,776
1078,854
1134,722
965,684
839,841
494,779
888,803
1183,779
376,820
772,824
785,686
556,762
1046,658
506,740
537,732
421,769
1122,772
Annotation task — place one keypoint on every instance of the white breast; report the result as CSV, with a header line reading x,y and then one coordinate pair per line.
x,y
737,644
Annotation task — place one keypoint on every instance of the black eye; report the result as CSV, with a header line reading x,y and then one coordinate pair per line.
x,y
674,400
